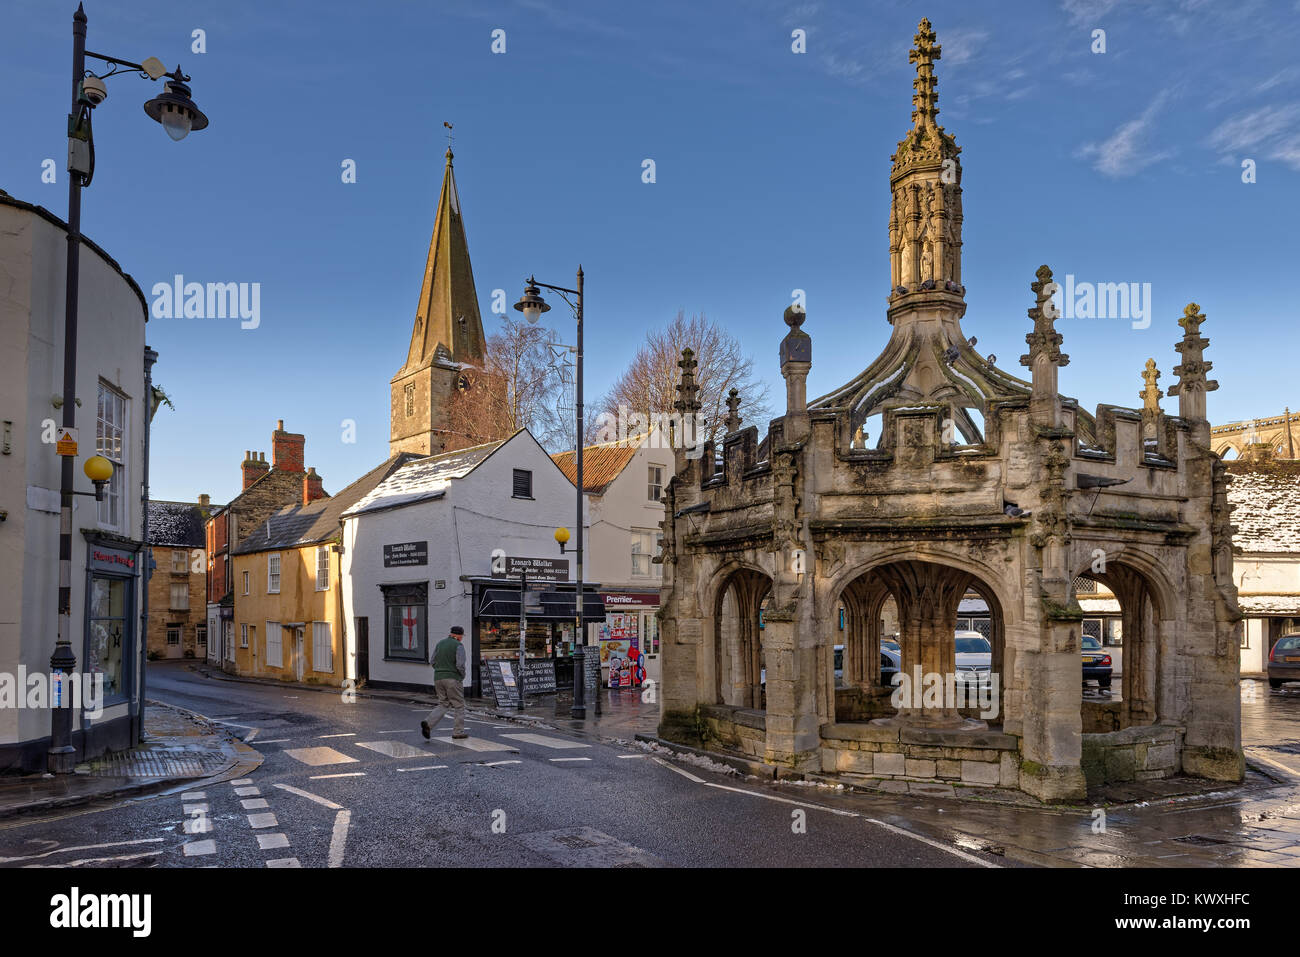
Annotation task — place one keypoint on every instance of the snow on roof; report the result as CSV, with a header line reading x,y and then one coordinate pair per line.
x,y
1266,507
426,478
178,523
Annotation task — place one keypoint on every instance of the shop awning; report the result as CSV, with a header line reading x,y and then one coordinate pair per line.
x,y
555,605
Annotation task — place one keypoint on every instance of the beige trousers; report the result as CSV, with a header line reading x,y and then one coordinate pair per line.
x,y
451,697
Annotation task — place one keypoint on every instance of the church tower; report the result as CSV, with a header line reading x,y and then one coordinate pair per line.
x,y
446,340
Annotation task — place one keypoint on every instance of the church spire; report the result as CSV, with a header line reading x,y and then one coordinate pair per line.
x,y
447,322
925,101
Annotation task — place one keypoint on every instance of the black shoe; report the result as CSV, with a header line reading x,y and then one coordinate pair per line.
x,y
424,728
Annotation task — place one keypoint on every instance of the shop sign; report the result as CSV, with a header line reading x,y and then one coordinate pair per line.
x,y
110,559
537,569
406,553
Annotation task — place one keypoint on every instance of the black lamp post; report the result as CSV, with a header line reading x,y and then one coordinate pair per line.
x,y
177,113
532,305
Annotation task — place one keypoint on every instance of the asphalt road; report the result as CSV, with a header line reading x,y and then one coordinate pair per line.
x,y
357,785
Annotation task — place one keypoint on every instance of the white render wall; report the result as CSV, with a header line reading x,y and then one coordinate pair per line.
x,y
110,345
475,515
1270,575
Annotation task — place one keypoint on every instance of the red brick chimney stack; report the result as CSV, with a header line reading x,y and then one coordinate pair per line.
x,y
311,487
253,468
287,449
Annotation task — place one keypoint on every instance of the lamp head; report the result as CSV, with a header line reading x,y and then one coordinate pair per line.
x,y
531,303
562,536
174,109
99,470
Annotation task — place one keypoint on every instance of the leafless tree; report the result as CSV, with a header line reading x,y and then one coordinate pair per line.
x,y
648,386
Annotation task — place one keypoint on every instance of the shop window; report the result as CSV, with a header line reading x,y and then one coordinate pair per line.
x,y
656,484
110,442
406,621
523,485
273,574
322,647
323,570
180,596
109,624
173,634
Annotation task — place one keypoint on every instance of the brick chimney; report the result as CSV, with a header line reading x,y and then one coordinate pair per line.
x,y
311,487
205,500
253,467
286,449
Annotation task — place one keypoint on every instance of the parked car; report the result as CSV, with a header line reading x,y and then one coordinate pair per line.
x,y
1096,663
974,658
1284,661
891,662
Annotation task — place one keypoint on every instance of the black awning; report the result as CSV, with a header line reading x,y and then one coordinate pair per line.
x,y
559,605
499,603
556,605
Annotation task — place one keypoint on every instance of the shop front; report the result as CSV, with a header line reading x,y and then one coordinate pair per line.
x,y
110,653
550,618
628,636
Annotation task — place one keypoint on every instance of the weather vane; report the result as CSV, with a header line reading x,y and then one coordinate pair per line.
x,y
448,125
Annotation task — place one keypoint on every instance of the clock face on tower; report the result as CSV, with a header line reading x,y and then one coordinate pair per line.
x,y
462,382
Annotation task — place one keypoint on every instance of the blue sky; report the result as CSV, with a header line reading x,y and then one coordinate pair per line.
x,y
771,174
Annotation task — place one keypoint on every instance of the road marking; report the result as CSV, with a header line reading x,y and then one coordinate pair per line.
x,y
1259,757
248,792
339,840
270,842
341,734
936,844
557,760
427,767
199,848
311,797
477,744
493,764
192,809
673,767
773,797
241,782
284,862
81,847
251,735
255,804
544,741
100,860
326,777
319,755
399,731
394,749
199,824
194,795
273,740
235,723
625,757
258,821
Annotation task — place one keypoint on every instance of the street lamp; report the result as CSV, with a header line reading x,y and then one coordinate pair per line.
x,y
532,305
178,115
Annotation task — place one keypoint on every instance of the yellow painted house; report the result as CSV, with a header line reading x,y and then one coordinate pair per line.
x,y
288,613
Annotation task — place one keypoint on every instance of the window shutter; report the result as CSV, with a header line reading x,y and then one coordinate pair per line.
x,y
523,483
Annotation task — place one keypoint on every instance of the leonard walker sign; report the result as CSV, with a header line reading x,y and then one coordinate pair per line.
x,y
406,553
537,569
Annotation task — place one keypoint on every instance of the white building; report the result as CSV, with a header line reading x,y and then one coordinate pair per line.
x,y
112,420
624,483
1265,495
421,550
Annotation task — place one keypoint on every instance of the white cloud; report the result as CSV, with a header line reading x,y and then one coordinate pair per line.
x,y
1272,132
1125,152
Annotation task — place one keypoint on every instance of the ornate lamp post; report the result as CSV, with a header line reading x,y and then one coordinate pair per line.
x,y
178,115
532,305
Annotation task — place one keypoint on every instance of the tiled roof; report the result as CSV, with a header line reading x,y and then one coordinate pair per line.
x,y
318,521
422,478
178,523
601,464
1266,506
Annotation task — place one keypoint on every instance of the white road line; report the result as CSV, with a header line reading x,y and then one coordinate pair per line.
x,y
194,795
936,844
284,862
248,792
493,764
427,767
99,860
199,848
1254,756
255,804
81,847
625,757
561,760
271,842
341,734
401,731
311,797
673,767
251,735
349,774
339,840
773,797
241,782
274,740
201,808
258,821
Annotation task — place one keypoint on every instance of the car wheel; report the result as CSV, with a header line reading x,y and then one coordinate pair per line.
x,y
1275,682
1104,685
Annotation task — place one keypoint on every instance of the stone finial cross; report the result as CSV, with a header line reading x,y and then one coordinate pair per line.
x,y
924,100
1044,340
1150,395
687,391
733,411
1192,382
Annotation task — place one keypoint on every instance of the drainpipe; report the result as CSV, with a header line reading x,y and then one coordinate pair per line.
x,y
146,572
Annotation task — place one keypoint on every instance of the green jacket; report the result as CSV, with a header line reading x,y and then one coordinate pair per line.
x,y
448,660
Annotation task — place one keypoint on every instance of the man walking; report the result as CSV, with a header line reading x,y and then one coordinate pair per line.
x,y
448,681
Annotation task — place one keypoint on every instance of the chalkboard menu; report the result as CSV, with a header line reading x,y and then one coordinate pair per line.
x,y
591,658
539,677
500,672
